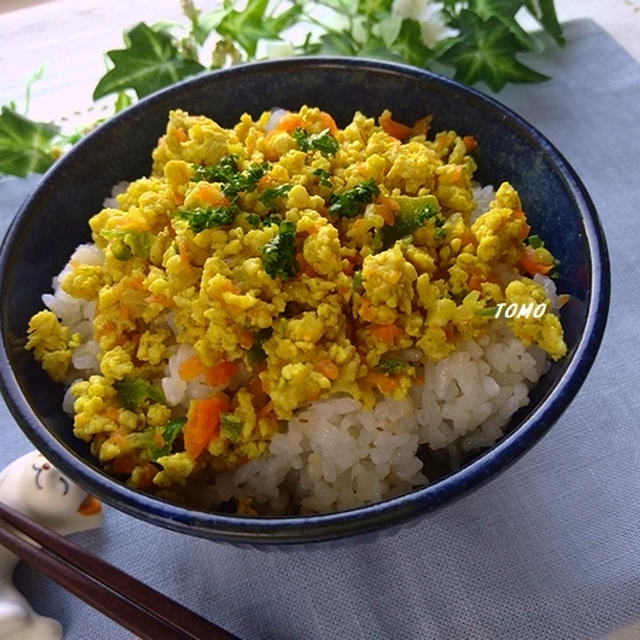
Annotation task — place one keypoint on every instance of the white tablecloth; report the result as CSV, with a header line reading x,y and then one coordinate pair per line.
x,y
550,549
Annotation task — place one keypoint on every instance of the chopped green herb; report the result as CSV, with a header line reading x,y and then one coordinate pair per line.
x,y
324,176
488,312
227,173
392,367
323,142
279,254
351,203
356,281
224,171
256,353
535,242
269,196
126,244
169,434
201,218
273,218
133,392
412,214
253,220
230,427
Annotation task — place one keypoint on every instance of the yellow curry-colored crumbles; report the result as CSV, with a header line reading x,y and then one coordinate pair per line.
x,y
263,267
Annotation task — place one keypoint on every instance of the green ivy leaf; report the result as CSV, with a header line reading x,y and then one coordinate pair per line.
x,y
409,44
374,7
24,144
505,11
334,43
376,48
544,12
205,23
149,62
388,29
248,26
486,50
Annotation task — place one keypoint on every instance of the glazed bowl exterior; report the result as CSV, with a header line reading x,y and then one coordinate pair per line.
x,y
53,221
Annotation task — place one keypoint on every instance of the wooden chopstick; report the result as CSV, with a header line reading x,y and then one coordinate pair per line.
x,y
133,604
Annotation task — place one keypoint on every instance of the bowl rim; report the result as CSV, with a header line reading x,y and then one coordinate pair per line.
x,y
280,530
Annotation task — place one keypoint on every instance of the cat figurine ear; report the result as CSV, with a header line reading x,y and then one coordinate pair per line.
x,y
33,486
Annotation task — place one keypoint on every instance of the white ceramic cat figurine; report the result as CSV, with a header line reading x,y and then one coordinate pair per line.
x,y
35,487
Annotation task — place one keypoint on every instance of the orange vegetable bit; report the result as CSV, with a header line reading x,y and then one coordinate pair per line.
x,y
385,212
132,224
184,255
203,423
211,195
328,123
519,215
305,267
327,368
178,134
385,384
532,263
160,299
112,413
89,506
266,411
395,129
387,333
146,475
366,313
123,464
220,374
469,142
450,332
474,282
288,122
245,338
190,368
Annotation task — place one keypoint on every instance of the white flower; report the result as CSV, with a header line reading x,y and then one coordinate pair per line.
x,y
428,14
276,48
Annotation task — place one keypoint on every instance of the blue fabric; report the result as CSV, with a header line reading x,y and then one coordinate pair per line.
x,y
549,549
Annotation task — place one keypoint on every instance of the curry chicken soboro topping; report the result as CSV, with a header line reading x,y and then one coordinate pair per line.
x,y
276,263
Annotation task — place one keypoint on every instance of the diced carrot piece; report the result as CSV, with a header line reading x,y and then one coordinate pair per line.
x,y
184,255
395,129
469,142
385,332
532,264
211,195
305,267
288,122
190,368
328,123
123,464
385,384
220,374
178,134
203,423
132,224
385,212
365,309
474,282
89,506
245,338
160,299
266,411
112,413
146,475
327,368
449,332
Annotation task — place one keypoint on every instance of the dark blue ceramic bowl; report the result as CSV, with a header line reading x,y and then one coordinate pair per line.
x,y
54,220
